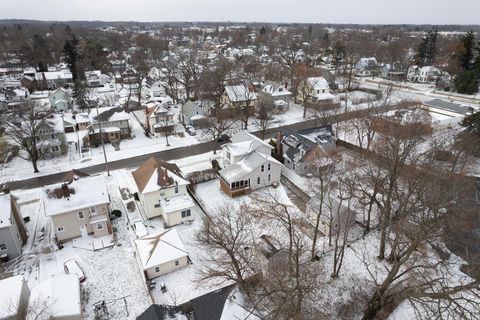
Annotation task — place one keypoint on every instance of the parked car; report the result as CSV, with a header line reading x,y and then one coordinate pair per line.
x,y
71,267
223,138
191,130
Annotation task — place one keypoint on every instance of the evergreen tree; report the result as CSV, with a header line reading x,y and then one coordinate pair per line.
x,y
466,58
427,50
472,123
467,82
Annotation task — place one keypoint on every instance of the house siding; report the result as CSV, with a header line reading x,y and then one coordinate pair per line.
x,y
166,267
10,237
72,223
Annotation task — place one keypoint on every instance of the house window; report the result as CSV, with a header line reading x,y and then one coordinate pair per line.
x,y
157,269
60,229
157,205
177,263
269,167
258,180
3,247
269,176
99,226
81,215
280,89
263,168
186,213
93,209
176,187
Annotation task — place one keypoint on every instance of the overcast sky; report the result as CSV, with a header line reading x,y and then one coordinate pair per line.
x,y
327,11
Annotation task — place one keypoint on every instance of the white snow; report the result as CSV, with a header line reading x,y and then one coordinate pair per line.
x,y
10,295
61,293
160,248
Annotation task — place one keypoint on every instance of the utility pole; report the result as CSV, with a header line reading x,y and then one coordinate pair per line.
x,y
101,139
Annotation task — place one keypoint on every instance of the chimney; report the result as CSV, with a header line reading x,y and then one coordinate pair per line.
x,y
5,189
65,190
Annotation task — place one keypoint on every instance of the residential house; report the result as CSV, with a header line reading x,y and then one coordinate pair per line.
x,y
162,190
314,90
278,94
52,141
49,80
248,165
426,74
14,295
193,114
394,71
60,100
366,67
12,231
336,215
78,207
161,253
236,99
160,120
114,122
310,150
95,79
129,76
59,297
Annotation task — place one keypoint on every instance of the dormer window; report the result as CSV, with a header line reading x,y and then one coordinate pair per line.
x,y
280,89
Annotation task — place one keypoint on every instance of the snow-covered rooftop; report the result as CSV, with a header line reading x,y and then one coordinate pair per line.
x,y
61,293
82,193
160,248
10,295
240,169
5,210
240,93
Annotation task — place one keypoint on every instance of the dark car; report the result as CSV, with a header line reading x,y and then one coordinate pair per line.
x,y
223,138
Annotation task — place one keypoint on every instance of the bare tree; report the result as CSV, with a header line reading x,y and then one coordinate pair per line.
x,y
215,128
416,225
25,128
227,234
264,119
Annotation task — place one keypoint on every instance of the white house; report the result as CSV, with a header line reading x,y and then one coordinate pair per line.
x,y
366,67
162,190
60,99
78,207
13,298
161,253
314,89
248,165
58,297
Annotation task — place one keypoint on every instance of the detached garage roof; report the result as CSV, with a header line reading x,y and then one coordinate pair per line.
x,y
160,248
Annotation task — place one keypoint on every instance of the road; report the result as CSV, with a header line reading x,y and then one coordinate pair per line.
x,y
167,155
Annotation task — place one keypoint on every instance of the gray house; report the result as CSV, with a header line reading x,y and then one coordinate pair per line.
x,y
308,150
12,231
193,114
52,140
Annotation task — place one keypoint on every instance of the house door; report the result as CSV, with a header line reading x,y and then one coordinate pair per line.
x,y
83,231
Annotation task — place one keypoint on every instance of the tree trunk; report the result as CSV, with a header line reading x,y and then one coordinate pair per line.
x,y
34,164
374,306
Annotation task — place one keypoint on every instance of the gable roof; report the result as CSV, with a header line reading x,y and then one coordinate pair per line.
x,y
155,174
240,93
162,312
210,306
237,171
160,248
318,83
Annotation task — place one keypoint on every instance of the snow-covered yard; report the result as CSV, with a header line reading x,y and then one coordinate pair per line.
x,y
111,273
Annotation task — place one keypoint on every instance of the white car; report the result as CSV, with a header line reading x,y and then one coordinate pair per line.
x,y
71,267
191,130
